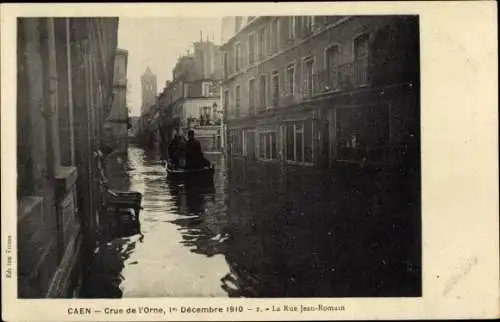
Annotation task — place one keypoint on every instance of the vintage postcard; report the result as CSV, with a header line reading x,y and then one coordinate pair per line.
x,y
313,161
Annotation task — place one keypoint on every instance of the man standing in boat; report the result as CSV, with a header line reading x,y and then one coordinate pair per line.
x,y
175,151
194,154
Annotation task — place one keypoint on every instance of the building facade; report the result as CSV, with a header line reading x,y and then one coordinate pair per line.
x,y
322,90
65,87
148,90
190,101
232,25
117,123
322,117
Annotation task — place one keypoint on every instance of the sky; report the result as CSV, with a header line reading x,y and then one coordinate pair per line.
x,y
157,42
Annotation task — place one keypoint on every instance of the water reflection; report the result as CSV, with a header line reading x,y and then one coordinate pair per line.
x,y
298,234
263,230
202,229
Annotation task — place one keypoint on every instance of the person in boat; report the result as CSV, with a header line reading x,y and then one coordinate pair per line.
x,y
174,150
194,154
182,152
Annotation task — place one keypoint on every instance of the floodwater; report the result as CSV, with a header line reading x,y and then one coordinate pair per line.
x,y
260,230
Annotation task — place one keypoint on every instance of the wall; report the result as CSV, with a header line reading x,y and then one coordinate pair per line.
x,y
116,125
64,84
342,35
120,72
392,78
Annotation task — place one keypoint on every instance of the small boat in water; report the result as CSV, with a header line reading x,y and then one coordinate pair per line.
x,y
205,173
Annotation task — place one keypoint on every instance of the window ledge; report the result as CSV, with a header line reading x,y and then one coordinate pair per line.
x,y
303,164
66,177
269,160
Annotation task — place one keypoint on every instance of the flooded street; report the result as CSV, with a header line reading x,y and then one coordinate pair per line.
x,y
256,230
180,249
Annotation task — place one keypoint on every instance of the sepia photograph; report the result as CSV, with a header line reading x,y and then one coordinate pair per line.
x,y
309,162
259,156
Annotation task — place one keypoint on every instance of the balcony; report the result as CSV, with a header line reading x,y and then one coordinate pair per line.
x,y
214,90
344,77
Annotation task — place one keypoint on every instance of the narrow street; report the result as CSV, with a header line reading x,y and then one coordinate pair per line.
x,y
243,236
179,250
316,188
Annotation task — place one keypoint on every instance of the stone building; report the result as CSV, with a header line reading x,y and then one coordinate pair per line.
x,y
65,87
117,123
192,99
148,90
232,25
322,90
323,127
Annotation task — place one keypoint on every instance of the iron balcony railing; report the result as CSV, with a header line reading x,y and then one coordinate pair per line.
x,y
343,77
350,75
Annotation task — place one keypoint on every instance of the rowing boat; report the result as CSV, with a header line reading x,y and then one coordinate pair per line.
x,y
180,173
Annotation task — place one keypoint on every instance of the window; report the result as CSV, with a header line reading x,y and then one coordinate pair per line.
x,y
307,77
269,45
262,91
363,132
237,57
236,141
308,141
206,89
290,142
276,88
360,76
332,67
237,101
290,79
226,67
308,22
262,43
251,95
262,146
273,145
243,55
268,146
226,100
252,45
250,143
291,28
274,36
299,141
361,46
